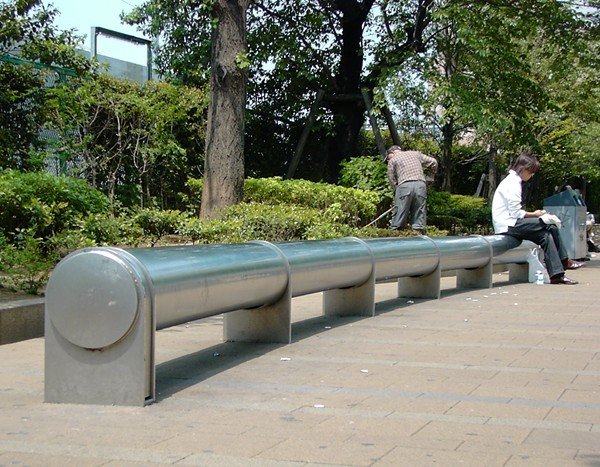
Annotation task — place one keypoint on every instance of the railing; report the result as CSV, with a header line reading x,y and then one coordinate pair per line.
x,y
103,305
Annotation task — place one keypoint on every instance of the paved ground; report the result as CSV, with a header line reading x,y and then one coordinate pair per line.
x,y
507,376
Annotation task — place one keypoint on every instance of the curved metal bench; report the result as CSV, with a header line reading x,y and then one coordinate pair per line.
x,y
103,305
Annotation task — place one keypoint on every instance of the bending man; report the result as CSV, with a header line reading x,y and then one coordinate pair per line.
x,y
405,173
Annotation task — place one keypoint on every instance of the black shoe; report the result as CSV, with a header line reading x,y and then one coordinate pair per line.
x,y
562,279
593,248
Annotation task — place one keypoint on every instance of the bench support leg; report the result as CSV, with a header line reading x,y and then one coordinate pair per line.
x,y
267,324
427,286
518,272
479,278
121,374
353,301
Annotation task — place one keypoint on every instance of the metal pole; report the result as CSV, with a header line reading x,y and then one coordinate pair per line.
x,y
384,214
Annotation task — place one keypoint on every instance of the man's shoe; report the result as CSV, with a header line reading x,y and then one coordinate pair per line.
x,y
561,279
571,264
593,248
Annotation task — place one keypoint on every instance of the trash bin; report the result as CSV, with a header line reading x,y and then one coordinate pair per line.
x,y
570,208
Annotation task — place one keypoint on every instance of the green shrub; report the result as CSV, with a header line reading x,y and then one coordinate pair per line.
x,y
358,206
45,204
458,213
211,230
192,200
60,245
155,224
24,266
277,223
272,222
368,174
105,229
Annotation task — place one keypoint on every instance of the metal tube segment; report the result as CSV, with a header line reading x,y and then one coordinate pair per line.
x,y
397,257
321,265
463,252
193,282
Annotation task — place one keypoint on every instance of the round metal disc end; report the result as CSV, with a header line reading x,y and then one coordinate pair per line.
x,y
93,298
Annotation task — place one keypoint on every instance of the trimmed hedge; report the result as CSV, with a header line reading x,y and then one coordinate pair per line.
x,y
357,207
458,213
45,217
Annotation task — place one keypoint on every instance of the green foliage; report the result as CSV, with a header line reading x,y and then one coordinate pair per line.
x,y
44,204
458,213
62,243
185,30
136,143
569,131
283,222
252,221
106,230
21,113
192,200
367,173
27,257
32,54
210,230
27,26
24,266
156,224
357,206
488,82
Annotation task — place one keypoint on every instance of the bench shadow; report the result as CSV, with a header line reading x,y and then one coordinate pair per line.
x,y
180,373
183,372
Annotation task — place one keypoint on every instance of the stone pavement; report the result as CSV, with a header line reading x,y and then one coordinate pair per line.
x,y
506,376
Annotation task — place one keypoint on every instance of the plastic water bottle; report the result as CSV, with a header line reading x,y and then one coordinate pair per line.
x,y
539,278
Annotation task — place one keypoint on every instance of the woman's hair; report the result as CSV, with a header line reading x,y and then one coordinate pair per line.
x,y
526,161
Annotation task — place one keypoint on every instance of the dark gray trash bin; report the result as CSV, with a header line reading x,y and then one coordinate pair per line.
x,y
571,210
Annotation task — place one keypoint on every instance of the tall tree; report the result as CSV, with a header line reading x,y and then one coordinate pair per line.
x,y
483,80
336,46
224,161
298,47
188,30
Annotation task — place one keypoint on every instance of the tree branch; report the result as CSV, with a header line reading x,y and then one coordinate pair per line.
x,y
289,20
413,42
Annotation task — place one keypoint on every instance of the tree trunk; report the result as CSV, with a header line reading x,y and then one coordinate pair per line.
x,y
348,115
492,172
389,118
224,161
447,163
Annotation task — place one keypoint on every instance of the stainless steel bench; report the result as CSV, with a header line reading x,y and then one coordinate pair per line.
x,y
103,305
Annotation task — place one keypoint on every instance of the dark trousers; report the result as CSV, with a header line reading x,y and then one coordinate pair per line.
x,y
547,237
